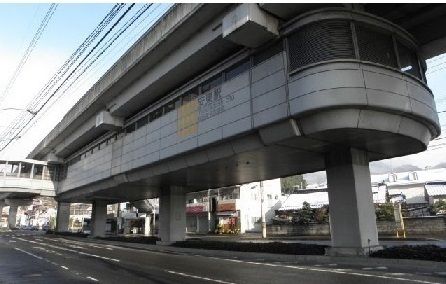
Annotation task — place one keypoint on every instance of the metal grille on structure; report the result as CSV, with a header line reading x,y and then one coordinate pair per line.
x,y
321,41
408,60
375,46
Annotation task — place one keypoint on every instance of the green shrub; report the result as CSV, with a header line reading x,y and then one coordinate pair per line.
x,y
384,212
438,207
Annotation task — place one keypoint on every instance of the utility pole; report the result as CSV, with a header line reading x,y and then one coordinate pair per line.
x,y
262,210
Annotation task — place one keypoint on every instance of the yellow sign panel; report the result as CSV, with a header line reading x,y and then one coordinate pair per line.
x,y
187,123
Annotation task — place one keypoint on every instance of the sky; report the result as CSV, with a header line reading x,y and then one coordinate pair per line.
x,y
69,26
67,29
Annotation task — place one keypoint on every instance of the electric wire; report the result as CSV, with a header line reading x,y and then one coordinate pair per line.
x,y
21,122
25,117
91,69
33,43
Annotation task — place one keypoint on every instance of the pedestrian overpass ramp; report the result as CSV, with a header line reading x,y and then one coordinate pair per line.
x,y
25,179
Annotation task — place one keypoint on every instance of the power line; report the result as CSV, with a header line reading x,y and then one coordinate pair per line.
x,y
24,118
24,122
85,71
49,14
77,54
89,53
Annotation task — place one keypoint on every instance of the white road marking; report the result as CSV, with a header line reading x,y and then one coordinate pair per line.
x,y
400,274
55,264
198,277
340,271
48,250
70,250
28,253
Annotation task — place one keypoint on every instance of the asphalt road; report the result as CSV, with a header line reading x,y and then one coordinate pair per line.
x,y
31,257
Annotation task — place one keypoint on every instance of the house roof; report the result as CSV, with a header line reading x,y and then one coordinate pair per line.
x,y
405,178
295,201
436,189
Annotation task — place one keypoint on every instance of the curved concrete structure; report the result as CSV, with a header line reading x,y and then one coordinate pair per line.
x,y
358,102
217,95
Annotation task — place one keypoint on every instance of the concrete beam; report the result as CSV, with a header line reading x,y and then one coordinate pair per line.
x,y
19,202
250,26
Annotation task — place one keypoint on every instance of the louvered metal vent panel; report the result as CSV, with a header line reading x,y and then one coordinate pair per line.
x,y
320,41
268,52
375,46
408,60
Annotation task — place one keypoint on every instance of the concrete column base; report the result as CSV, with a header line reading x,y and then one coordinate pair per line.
x,y
147,226
351,251
2,203
352,213
98,218
63,217
172,214
12,217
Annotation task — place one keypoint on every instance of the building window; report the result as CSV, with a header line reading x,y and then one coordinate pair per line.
x,y
211,83
12,168
130,128
268,52
142,122
38,171
25,170
236,70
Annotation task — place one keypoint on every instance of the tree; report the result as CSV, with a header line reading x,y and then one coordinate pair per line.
x,y
384,212
289,184
438,207
305,215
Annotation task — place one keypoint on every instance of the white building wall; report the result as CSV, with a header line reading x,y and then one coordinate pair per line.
x,y
250,202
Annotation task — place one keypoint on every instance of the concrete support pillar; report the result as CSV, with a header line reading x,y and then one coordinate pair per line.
x,y
63,217
352,214
12,218
98,218
172,215
147,225
2,203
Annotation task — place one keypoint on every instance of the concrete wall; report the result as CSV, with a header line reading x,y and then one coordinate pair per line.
x,y
414,226
168,136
